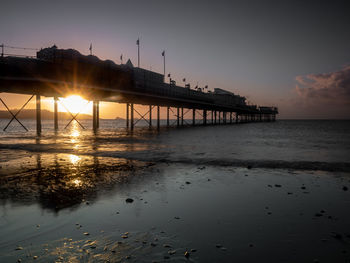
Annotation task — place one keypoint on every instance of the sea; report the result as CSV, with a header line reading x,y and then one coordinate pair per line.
x,y
250,192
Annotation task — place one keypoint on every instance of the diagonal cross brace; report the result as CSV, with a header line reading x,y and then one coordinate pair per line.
x,y
142,116
14,116
74,117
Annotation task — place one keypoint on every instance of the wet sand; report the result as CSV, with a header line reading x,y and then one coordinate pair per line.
x,y
70,208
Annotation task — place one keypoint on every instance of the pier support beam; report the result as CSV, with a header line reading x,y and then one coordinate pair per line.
x,y
193,117
94,116
237,116
38,115
182,116
55,113
212,117
127,115
215,117
150,116
132,116
98,114
167,116
178,117
231,117
158,117
204,117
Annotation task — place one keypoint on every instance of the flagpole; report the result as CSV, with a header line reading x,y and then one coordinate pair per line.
x,y
138,52
164,62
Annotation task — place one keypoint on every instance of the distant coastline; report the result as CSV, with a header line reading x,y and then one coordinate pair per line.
x,y
45,115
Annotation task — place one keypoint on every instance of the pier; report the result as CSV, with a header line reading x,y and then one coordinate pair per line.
x,y
58,73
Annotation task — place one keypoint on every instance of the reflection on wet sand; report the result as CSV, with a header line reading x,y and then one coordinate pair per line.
x,y
65,181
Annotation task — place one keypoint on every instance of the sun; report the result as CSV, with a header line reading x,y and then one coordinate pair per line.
x,y
75,104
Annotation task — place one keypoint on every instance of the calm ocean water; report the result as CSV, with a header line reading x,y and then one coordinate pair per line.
x,y
272,192
310,144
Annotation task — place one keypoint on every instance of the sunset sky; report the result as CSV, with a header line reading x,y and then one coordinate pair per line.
x,y
292,54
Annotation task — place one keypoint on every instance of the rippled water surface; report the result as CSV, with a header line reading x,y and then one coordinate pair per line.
x,y
277,192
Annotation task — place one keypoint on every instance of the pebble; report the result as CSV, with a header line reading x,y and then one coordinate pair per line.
x,y
166,245
124,236
249,167
278,185
19,260
188,182
318,214
345,188
218,245
171,252
187,254
19,248
129,200
176,217
193,250
35,257
153,244
86,233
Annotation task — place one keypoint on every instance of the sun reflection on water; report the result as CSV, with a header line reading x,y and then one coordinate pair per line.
x,y
74,159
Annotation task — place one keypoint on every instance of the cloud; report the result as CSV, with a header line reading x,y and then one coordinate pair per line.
x,y
332,87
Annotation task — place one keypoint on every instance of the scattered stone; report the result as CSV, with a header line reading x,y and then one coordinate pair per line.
x,y
127,257
188,182
289,193
187,254
19,260
278,185
209,180
153,244
245,175
86,233
249,167
166,257
171,252
35,257
166,245
124,236
337,235
269,185
251,245
345,188
318,214
37,225
269,213
218,245
223,249
176,217
129,200
322,211
19,248
193,250
303,187
93,246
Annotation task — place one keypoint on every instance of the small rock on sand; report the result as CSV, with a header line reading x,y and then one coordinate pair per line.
x,y
187,254
171,252
129,200
188,182
345,188
278,185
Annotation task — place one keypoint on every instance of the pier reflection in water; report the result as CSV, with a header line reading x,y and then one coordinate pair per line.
x,y
64,180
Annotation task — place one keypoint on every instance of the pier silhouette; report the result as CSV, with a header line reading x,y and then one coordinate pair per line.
x,y
61,72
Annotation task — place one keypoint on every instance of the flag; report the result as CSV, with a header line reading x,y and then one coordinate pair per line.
x,y
163,53
138,42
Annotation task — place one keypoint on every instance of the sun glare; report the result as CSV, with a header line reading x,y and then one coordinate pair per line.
x,y
75,104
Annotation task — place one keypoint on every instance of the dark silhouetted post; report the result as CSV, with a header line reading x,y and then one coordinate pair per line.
x,y
38,115
167,116
193,117
178,117
132,116
158,117
182,116
127,115
150,116
55,113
